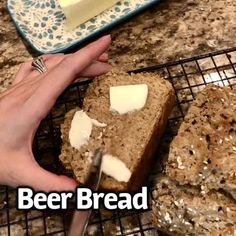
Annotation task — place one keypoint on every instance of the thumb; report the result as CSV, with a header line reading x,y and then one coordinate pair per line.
x,y
42,180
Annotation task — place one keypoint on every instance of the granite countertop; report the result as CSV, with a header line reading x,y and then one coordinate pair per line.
x,y
170,30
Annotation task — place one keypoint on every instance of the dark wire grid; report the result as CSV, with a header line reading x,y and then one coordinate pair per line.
x,y
187,76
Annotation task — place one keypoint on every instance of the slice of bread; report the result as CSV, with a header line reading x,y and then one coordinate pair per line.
x,y
132,137
196,194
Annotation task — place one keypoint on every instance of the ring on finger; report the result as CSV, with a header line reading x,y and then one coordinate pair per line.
x,y
39,65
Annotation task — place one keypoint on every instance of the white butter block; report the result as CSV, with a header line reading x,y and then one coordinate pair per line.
x,y
78,12
115,168
81,129
128,98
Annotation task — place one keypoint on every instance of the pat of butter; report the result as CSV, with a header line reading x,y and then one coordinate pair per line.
x,y
78,12
115,168
81,129
128,98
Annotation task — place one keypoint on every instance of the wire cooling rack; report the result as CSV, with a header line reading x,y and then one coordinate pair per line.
x,y
188,77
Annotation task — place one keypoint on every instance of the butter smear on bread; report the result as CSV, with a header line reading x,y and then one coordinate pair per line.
x,y
81,129
115,168
128,98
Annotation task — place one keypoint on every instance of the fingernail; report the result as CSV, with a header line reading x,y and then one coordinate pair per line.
x,y
108,68
105,56
108,36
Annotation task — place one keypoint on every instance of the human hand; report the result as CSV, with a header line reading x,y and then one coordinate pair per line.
x,y
28,101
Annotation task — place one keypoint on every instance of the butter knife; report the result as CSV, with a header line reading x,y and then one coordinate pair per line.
x,y
81,218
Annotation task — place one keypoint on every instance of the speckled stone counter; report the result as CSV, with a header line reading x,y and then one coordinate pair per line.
x,y
175,29
171,30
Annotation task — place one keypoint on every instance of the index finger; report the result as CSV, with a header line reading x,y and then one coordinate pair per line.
x,y
56,80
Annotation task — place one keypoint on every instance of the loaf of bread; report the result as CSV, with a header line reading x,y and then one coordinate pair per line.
x,y
132,137
199,192
181,210
204,152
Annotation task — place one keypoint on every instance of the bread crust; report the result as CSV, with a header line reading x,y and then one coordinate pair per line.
x,y
149,152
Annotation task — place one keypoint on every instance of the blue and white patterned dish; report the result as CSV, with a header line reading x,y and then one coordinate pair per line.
x,y
41,23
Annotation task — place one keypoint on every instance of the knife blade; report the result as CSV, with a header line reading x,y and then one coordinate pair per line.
x,y
81,218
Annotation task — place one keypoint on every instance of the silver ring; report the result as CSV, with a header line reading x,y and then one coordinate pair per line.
x,y
39,65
